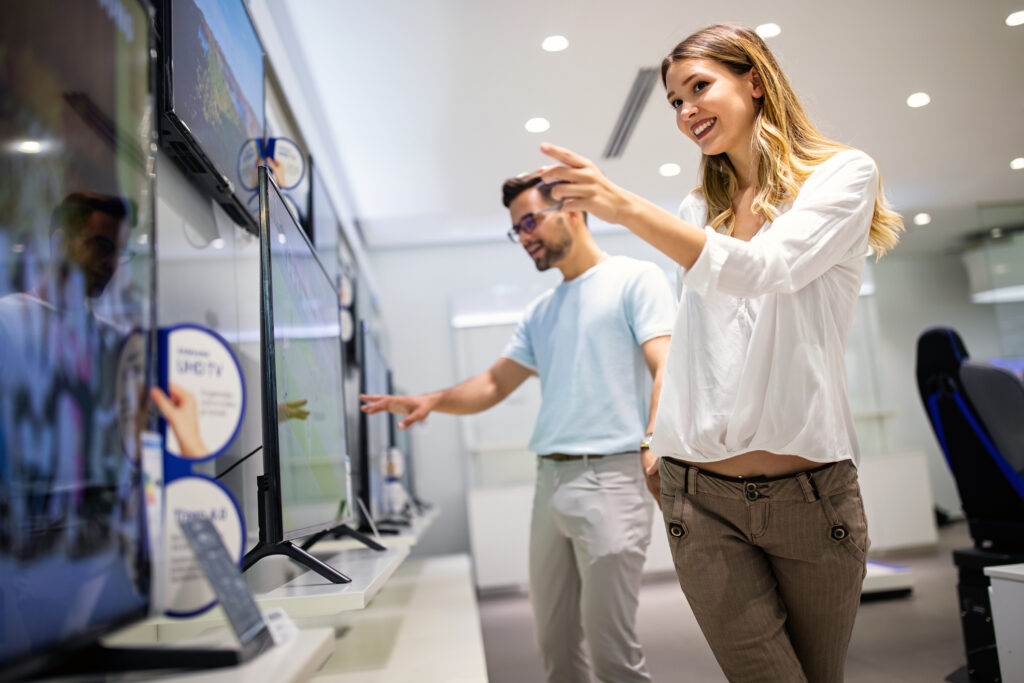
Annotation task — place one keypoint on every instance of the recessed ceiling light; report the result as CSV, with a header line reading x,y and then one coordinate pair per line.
x,y
1017,164
918,99
555,43
142,239
669,170
1015,19
30,147
281,238
219,243
768,30
922,219
537,125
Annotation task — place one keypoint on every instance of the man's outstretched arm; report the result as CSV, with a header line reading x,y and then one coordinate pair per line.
x,y
474,395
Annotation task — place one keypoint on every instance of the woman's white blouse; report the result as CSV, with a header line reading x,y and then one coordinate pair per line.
x,y
757,358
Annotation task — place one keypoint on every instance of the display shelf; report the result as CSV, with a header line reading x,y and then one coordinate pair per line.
x,y
298,659
423,626
408,536
310,594
307,594
885,578
290,662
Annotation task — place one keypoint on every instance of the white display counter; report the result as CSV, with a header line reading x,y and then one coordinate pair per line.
x,y
424,625
1006,595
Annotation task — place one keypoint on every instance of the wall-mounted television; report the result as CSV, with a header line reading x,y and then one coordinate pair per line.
x,y
305,488
211,99
76,322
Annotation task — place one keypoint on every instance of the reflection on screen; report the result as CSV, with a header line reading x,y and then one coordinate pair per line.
x,y
218,82
307,366
378,426
75,279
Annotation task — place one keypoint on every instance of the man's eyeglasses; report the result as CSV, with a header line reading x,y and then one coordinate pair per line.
x,y
528,223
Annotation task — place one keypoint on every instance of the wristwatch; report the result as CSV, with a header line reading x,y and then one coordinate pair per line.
x,y
646,441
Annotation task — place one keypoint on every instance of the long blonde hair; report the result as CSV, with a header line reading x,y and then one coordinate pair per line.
x,y
785,143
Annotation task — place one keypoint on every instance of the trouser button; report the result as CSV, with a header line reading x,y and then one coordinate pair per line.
x,y
751,488
838,532
676,530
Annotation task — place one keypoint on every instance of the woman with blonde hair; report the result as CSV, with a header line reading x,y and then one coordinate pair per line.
x,y
754,433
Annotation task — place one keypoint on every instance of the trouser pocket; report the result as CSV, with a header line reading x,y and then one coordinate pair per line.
x,y
846,524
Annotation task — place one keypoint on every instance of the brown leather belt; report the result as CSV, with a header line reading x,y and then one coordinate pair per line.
x,y
559,457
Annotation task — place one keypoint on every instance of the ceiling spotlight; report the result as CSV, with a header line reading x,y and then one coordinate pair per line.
x,y
1017,164
768,30
1015,19
537,125
555,43
669,170
219,243
142,239
922,219
30,147
281,238
918,99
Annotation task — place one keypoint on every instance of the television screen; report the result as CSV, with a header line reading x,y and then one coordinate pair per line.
x,y
401,463
376,428
213,100
76,320
324,224
306,443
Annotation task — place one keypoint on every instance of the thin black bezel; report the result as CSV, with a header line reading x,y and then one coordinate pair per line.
x,y
216,182
366,492
271,456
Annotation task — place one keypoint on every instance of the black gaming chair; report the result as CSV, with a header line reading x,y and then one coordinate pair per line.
x,y
977,413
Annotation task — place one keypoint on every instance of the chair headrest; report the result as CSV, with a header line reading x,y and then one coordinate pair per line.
x,y
940,351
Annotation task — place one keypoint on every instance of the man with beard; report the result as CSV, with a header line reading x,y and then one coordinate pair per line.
x,y
591,340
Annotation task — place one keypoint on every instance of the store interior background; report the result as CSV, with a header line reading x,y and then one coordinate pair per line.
x,y
414,114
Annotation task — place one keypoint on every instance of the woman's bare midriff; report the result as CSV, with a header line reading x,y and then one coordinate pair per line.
x,y
757,463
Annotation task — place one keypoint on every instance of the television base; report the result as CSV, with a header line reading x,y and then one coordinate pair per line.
x,y
297,554
340,531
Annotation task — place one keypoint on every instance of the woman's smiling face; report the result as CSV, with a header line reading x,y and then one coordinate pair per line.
x,y
715,107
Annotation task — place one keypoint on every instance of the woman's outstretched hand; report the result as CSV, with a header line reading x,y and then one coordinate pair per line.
x,y
583,187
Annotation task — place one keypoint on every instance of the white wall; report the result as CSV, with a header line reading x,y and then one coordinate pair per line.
x,y
914,293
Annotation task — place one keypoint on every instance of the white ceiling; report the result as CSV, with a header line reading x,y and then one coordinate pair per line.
x,y
427,101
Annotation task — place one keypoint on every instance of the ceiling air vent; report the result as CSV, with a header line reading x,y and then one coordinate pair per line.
x,y
635,102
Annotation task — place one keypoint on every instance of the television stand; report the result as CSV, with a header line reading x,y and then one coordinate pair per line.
x,y
264,548
299,555
341,531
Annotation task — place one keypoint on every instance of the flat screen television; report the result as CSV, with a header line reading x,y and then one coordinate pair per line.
x,y
401,441
76,323
305,488
211,99
375,431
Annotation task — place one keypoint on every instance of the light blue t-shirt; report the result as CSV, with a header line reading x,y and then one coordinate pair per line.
x,y
583,340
